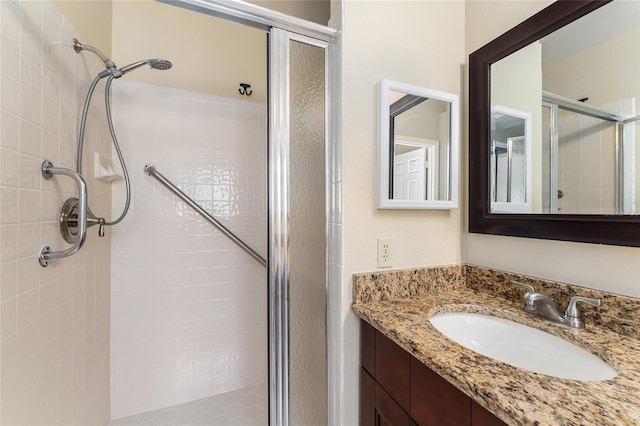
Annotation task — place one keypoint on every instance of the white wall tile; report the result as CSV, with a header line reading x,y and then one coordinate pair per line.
x,y
9,207
30,138
10,96
172,271
8,243
10,132
8,316
29,207
11,56
55,353
10,23
30,105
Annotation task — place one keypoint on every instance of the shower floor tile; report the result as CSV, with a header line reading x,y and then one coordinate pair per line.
x,y
246,406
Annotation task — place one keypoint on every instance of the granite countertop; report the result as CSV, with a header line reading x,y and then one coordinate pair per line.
x,y
516,396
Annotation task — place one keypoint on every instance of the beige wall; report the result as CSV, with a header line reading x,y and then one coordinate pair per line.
x,y
516,83
312,10
91,19
608,72
420,43
608,268
406,51
209,55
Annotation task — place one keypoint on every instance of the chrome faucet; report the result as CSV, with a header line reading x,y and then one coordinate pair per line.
x,y
542,306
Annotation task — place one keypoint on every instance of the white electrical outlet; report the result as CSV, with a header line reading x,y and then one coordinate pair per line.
x,y
385,252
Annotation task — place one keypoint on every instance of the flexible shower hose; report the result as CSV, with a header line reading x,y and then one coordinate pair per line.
x,y
114,139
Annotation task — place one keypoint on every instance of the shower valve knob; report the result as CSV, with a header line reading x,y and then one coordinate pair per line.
x,y
101,228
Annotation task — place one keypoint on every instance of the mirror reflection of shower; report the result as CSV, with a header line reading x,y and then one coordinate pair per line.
x,y
591,156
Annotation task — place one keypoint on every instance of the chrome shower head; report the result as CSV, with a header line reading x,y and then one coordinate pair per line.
x,y
160,64
156,64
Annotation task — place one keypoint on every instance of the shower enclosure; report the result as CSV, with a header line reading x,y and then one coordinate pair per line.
x,y
194,317
165,310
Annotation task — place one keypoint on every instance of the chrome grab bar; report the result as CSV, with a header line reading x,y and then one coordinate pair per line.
x,y
151,170
48,170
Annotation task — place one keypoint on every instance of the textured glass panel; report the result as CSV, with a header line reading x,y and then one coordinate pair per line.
x,y
546,159
631,168
518,169
307,292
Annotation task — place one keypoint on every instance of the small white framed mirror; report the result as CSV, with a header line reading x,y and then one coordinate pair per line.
x,y
417,147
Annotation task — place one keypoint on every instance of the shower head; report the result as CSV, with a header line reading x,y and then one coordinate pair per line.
x,y
160,64
156,64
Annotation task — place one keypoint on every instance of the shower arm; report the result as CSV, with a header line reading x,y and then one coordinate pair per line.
x,y
108,63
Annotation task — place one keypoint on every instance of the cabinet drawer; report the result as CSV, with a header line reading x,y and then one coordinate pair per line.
x,y
434,401
368,347
393,371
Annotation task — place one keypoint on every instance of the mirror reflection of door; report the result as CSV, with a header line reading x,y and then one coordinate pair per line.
x,y
510,161
409,179
419,122
415,169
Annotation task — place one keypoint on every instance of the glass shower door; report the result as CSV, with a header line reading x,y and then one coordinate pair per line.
x,y
298,229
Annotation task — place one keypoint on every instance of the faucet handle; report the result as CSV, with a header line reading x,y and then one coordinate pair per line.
x,y
94,220
528,287
573,311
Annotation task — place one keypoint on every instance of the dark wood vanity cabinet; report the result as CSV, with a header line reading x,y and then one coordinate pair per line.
x,y
397,389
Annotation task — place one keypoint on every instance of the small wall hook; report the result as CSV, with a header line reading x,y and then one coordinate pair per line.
x,y
244,89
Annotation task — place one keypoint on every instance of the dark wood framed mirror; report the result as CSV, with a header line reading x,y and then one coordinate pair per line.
x,y
612,229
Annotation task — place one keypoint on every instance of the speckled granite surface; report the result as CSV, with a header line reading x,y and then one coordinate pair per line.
x,y
405,283
517,396
617,313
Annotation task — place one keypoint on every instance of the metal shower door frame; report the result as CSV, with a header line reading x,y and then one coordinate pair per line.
x,y
283,29
256,17
279,167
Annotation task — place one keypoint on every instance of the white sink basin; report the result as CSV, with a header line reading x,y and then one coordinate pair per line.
x,y
522,346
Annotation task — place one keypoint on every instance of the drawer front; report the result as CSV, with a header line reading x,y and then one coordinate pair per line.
x,y
480,416
434,401
368,347
393,370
